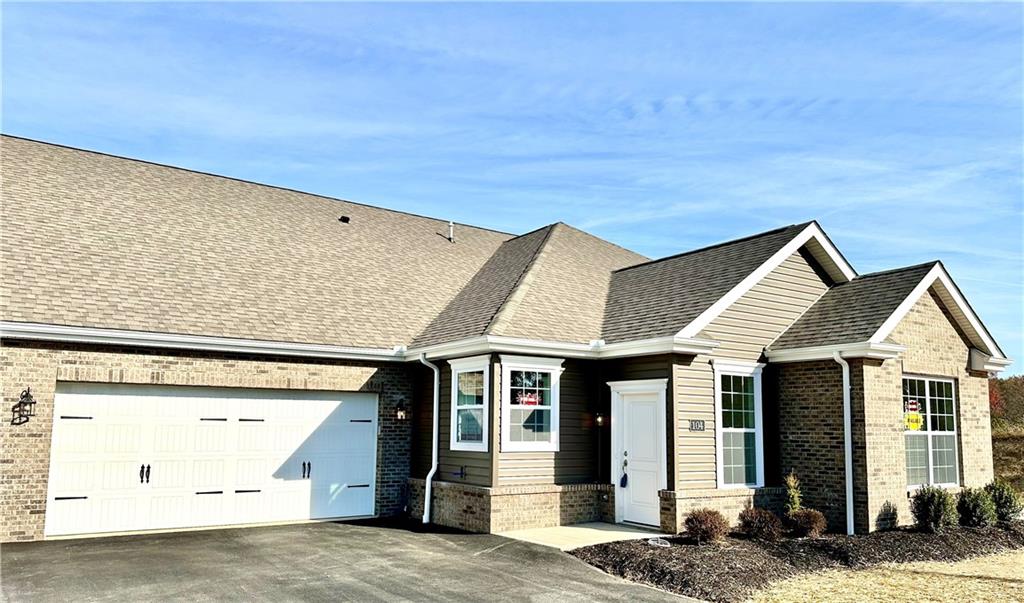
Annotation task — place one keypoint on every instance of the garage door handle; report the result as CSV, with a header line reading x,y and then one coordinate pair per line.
x,y
303,469
309,469
147,474
142,473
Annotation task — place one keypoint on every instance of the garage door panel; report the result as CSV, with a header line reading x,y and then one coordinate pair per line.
x,y
243,466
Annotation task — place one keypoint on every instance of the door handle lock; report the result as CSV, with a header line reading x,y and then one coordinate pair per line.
x,y
147,474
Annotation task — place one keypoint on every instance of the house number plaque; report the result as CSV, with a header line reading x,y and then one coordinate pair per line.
x,y
696,425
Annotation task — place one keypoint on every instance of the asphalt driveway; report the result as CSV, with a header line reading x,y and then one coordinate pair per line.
x,y
309,562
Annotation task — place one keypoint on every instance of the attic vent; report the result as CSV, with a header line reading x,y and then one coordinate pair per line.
x,y
451,232
344,219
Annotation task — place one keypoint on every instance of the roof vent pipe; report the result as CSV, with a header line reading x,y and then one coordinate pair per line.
x,y
451,232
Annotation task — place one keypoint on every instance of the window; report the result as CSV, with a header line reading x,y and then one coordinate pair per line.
x,y
470,385
529,406
929,417
740,455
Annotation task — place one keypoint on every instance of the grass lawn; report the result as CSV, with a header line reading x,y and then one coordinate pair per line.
x,y
995,578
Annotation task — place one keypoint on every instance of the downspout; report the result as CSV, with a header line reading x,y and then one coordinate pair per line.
x,y
847,439
429,486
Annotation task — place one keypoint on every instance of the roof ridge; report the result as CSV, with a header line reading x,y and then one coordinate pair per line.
x,y
603,240
721,244
505,304
891,270
242,180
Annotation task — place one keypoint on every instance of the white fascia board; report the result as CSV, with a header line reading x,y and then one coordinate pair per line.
x,y
939,274
47,332
980,361
813,231
597,350
864,349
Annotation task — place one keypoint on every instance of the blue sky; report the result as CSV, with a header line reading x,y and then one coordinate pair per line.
x,y
661,127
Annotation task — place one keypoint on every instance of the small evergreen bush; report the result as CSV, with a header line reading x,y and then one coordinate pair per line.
x,y
1008,502
975,507
792,493
706,525
761,524
933,509
808,522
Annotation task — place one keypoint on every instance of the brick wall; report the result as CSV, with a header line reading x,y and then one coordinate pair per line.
x,y
730,502
25,449
506,508
810,406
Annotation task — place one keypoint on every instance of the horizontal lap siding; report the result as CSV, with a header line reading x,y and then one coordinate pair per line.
x,y
575,461
743,330
450,463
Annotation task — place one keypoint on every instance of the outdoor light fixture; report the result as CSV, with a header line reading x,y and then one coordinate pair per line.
x,y
25,408
401,413
599,420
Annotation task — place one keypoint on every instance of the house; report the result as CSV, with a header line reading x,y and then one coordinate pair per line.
x,y
183,350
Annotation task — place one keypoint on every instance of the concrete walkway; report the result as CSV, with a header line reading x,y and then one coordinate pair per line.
x,y
566,538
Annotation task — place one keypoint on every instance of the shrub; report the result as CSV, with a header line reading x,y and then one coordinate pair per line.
x,y
807,522
933,509
975,507
706,525
792,493
761,524
1008,502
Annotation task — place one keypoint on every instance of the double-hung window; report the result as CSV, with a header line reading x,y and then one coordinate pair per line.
x,y
929,413
529,403
738,423
470,399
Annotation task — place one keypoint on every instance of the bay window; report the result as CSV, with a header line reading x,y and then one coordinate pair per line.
x,y
529,403
929,418
470,399
738,425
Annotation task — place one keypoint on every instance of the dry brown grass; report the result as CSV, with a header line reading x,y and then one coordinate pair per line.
x,y
994,578
1008,457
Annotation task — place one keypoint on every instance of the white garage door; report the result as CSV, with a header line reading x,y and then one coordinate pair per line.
x,y
140,457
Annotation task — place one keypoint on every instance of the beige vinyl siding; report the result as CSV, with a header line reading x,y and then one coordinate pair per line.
x,y
743,329
575,460
450,463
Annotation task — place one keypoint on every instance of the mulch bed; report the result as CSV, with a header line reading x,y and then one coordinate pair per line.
x,y
737,567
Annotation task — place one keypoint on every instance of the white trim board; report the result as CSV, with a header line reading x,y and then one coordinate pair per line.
x,y
39,331
842,272
949,292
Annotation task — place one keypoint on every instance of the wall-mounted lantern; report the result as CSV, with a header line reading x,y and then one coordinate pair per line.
x,y
401,412
25,408
599,419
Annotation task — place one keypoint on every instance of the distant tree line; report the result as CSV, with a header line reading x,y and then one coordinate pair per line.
x,y
1006,399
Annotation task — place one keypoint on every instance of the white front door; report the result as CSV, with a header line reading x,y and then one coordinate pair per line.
x,y
638,449
140,457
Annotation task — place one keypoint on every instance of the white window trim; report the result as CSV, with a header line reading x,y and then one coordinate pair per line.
x,y
470,365
529,363
928,433
740,369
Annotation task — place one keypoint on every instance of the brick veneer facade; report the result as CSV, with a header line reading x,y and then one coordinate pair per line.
x,y
25,449
810,403
811,431
730,502
505,508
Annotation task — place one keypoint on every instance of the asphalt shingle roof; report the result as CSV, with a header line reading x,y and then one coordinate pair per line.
x,y
100,241
658,298
852,312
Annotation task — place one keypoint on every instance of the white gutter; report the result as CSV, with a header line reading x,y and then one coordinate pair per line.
x,y
47,332
847,439
428,488
862,349
597,349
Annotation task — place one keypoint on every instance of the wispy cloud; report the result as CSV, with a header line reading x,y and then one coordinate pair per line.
x,y
661,127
